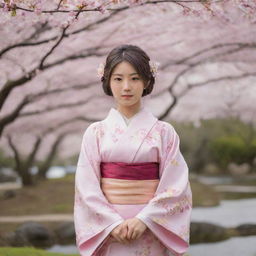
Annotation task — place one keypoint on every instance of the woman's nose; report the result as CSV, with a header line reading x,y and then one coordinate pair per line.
x,y
126,85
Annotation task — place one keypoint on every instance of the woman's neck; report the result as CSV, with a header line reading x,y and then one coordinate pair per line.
x,y
130,111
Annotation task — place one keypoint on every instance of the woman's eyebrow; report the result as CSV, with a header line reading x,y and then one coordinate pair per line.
x,y
122,75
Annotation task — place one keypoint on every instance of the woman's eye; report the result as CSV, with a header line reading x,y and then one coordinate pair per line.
x,y
119,79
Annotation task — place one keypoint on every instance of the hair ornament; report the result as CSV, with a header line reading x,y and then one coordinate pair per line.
x,y
100,70
154,67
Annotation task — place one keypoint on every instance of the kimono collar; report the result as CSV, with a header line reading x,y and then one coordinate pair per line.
x,y
114,116
126,119
131,135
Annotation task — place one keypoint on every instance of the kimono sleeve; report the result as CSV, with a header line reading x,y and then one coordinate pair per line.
x,y
94,217
168,213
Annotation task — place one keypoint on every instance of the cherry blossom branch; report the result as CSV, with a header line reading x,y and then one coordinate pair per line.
x,y
175,97
4,121
77,31
30,98
101,8
11,84
61,124
239,45
61,106
40,67
247,8
215,80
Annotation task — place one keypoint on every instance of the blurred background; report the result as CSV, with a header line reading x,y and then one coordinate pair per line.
x,y
50,92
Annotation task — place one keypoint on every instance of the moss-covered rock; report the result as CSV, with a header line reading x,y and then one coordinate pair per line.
x,y
202,232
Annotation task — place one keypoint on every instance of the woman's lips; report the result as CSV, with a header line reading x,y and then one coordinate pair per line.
x,y
127,96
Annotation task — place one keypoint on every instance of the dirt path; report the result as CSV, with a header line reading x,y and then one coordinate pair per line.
x,y
45,217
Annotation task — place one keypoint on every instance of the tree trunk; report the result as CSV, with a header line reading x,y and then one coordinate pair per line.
x,y
26,177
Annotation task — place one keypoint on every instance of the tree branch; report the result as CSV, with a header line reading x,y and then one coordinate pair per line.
x,y
61,106
190,86
15,151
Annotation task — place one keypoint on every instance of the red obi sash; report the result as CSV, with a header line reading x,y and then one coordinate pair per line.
x,y
129,183
130,171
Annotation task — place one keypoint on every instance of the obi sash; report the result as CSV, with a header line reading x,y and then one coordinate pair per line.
x,y
129,183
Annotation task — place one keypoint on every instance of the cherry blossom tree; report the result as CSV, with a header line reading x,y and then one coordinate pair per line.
x,y
50,51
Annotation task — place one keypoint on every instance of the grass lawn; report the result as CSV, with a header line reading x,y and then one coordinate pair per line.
x,y
28,251
49,196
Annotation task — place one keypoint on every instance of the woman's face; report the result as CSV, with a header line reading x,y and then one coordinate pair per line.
x,y
126,81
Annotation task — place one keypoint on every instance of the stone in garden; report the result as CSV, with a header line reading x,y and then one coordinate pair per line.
x,y
246,229
65,232
202,232
33,234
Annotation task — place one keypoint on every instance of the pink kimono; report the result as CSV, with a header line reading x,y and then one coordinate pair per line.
x,y
101,204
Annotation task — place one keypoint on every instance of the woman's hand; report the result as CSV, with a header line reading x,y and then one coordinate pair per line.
x,y
128,230
119,234
135,228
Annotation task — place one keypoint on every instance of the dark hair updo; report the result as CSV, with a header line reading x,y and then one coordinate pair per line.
x,y
137,58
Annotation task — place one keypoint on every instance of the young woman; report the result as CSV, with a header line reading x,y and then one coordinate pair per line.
x,y
132,191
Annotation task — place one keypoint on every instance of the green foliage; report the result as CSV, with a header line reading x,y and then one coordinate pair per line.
x,y
25,251
217,141
228,149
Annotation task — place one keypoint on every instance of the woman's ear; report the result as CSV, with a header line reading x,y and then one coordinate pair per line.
x,y
145,86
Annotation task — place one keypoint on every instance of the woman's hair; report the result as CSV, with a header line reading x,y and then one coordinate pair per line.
x,y
137,58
